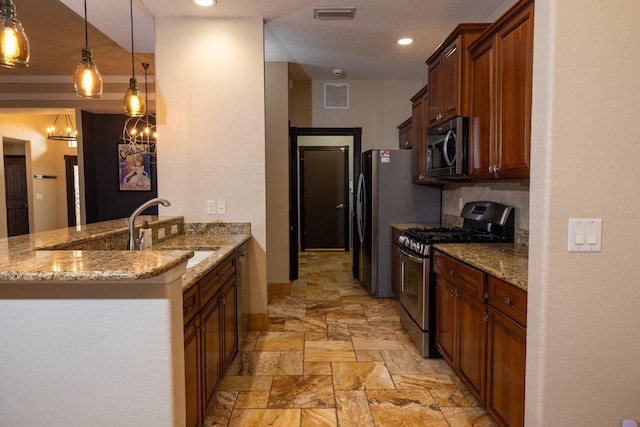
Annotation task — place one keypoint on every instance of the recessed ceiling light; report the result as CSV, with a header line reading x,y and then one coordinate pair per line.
x,y
205,2
405,41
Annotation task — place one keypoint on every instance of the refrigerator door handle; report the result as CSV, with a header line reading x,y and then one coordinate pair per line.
x,y
361,207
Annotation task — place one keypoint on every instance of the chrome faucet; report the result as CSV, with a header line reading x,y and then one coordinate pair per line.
x,y
132,219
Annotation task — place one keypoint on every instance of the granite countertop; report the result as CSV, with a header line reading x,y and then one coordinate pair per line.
x,y
505,261
51,256
221,244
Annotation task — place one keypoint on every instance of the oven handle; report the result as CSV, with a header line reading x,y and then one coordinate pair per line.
x,y
412,257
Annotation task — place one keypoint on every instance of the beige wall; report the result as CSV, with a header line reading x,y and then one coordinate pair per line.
x,y
48,203
210,88
583,335
300,103
277,171
377,106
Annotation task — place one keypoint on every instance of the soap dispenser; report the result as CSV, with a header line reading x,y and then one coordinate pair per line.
x,y
146,238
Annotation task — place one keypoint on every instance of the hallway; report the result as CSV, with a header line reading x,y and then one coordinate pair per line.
x,y
335,356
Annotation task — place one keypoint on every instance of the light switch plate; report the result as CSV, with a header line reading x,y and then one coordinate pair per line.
x,y
585,235
174,229
161,233
211,207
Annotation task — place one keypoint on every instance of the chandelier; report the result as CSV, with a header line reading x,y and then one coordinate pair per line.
x,y
68,134
140,132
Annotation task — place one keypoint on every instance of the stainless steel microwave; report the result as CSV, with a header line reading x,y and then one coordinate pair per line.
x,y
447,149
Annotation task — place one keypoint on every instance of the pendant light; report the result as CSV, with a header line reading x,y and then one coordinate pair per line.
x,y
14,44
87,79
133,101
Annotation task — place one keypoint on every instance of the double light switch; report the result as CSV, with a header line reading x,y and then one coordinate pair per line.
x,y
585,235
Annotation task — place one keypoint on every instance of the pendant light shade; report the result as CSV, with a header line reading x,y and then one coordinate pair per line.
x,y
87,80
134,105
14,44
133,102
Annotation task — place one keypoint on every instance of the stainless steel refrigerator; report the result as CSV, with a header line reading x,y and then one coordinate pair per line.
x,y
385,194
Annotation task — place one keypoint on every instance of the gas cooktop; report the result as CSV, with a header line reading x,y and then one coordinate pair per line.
x,y
483,222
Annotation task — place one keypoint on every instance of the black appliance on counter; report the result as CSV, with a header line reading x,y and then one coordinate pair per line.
x,y
483,222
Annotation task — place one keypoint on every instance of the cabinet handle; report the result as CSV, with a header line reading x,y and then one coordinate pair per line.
x,y
420,177
507,300
188,309
486,316
491,169
452,272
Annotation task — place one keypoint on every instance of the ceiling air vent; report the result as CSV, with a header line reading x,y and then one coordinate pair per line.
x,y
334,12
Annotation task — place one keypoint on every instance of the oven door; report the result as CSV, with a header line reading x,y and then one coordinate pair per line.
x,y
414,288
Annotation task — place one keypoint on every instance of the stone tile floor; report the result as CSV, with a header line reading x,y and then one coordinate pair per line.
x,y
335,356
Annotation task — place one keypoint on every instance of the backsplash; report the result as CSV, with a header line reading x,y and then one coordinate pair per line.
x,y
511,193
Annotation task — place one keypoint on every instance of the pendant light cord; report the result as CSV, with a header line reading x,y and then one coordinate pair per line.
x,y
133,71
86,31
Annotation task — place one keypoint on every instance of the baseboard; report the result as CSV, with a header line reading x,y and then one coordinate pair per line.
x,y
258,321
279,289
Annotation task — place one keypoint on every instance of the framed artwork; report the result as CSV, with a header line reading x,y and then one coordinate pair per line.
x,y
134,168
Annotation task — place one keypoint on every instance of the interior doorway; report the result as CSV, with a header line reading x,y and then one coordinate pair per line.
x,y
306,137
16,194
72,183
324,204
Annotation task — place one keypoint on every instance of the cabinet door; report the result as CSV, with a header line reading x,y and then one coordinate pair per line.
x,y
192,373
417,137
449,82
435,75
472,366
506,345
514,57
211,349
230,323
446,320
482,120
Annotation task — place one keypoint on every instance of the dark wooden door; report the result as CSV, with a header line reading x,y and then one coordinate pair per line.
x,y
324,190
71,166
15,185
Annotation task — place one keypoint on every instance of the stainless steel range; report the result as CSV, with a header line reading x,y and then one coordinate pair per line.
x,y
483,222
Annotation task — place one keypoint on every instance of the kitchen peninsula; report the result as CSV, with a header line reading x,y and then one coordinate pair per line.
x,y
92,334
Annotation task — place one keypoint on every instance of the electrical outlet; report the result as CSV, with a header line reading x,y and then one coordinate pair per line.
x,y
211,207
222,207
161,233
174,229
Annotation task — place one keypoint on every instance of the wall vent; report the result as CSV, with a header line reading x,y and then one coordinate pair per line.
x,y
336,95
334,12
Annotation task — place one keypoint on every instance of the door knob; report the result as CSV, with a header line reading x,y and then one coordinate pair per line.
x,y
340,206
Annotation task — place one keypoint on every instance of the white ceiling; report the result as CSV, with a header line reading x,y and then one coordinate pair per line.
x,y
363,47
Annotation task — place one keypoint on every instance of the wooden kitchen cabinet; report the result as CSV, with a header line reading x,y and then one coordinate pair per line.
x,y
448,75
461,320
404,134
501,64
210,335
418,137
192,374
192,343
506,353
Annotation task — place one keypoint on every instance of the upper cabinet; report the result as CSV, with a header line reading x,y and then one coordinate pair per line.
x,y
500,109
404,134
419,105
448,75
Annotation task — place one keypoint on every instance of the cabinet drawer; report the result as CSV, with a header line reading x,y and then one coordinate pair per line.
x,y
509,299
212,282
190,306
468,279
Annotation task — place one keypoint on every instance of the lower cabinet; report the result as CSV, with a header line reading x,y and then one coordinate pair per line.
x,y
506,355
210,336
461,320
481,333
192,373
